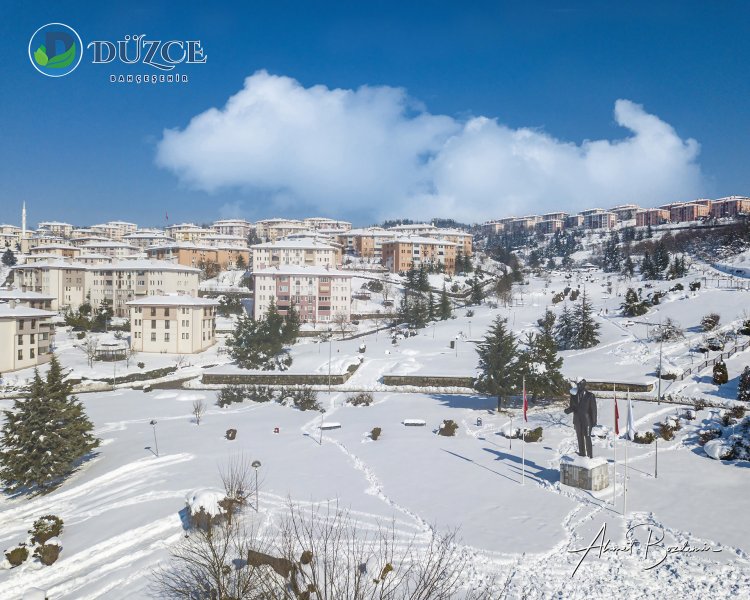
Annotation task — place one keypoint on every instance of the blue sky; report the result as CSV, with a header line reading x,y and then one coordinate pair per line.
x,y
475,87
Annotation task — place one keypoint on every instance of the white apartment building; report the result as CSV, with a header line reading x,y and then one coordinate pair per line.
x,y
10,235
270,230
63,230
110,248
323,223
27,299
113,230
318,293
174,324
188,232
142,239
26,335
296,251
238,227
115,283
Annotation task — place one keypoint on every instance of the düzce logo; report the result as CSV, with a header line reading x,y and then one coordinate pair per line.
x,y
55,49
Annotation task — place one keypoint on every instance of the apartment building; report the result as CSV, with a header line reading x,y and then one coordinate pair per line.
x,y
187,232
730,207
27,299
173,324
493,228
26,336
10,235
689,211
225,239
574,221
366,242
599,219
114,284
114,230
199,255
625,212
322,224
270,230
237,227
651,217
318,293
109,248
63,230
61,250
401,252
295,251
412,229
464,241
524,224
550,225
142,239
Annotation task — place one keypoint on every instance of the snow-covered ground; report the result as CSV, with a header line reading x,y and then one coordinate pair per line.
x,y
121,509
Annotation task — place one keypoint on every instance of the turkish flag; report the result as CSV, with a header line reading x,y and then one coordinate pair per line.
x,y
617,418
525,402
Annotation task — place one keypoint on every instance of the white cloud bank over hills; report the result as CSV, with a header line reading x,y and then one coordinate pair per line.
x,y
374,152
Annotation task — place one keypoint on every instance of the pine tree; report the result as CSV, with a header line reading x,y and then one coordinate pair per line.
x,y
587,328
423,279
565,334
649,232
9,258
541,362
290,328
44,435
257,344
477,294
633,306
720,373
628,267
648,270
499,365
431,308
660,258
241,264
743,388
412,277
444,309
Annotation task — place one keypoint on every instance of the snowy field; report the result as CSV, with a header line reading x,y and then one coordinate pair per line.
x,y
121,509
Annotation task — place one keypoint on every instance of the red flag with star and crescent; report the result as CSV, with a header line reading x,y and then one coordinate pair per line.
x,y
525,402
617,418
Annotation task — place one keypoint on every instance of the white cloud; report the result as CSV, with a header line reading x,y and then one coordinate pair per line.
x,y
374,152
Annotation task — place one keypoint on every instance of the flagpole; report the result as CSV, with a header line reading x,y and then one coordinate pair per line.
x,y
523,437
510,437
614,443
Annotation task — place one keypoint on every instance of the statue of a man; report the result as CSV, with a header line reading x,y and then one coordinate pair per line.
x,y
583,407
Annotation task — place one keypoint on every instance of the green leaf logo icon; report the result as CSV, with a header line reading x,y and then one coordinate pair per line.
x,y
62,60
40,56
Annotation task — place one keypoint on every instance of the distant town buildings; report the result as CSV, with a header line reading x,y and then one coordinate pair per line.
x,y
26,335
297,251
400,253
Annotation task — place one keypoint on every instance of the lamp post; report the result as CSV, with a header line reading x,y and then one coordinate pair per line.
x,y
256,466
330,358
320,438
156,443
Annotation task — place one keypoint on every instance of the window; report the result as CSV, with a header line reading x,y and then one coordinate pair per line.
x,y
20,324
153,311
20,355
32,340
166,324
153,324
20,340
33,323
153,336
166,337
166,312
31,353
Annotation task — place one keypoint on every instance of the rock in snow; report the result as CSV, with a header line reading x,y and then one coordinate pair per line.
x,y
718,449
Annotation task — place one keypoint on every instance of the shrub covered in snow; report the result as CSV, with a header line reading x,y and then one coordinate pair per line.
x,y
48,553
710,321
448,428
205,507
304,398
17,555
720,373
644,438
706,435
375,433
46,527
533,435
360,399
719,449
666,431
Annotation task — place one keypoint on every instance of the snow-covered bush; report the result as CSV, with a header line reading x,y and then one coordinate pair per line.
x,y
17,555
719,449
710,321
644,438
45,528
533,435
205,507
448,428
304,398
48,553
666,431
360,399
720,373
375,433
707,435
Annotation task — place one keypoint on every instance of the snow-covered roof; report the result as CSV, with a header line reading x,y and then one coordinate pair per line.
x,y
21,295
302,243
22,312
137,264
173,300
302,270
420,239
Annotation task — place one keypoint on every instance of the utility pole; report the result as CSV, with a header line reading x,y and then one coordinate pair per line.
x,y
156,443
256,466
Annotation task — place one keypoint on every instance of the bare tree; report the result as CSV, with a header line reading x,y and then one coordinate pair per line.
x,y
199,407
237,478
130,354
90,347
180,361
341,320
387,290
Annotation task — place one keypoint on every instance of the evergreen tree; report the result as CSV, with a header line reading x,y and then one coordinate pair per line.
x,y
587,329
274,322
412,277
9,258
541,363
628,268
290,328
648,269
720,373
445,309
431,308
743,388
649,232
241,264
477,294
257,344
633,306
660,258
565,333
423,280
612,257
404,309
499,365
44,435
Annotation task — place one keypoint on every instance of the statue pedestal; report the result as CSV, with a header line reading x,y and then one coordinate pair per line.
x,y
583,472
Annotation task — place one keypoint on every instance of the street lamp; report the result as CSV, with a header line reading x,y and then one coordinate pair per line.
x,y
330,358
256,465
156,443
320,439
